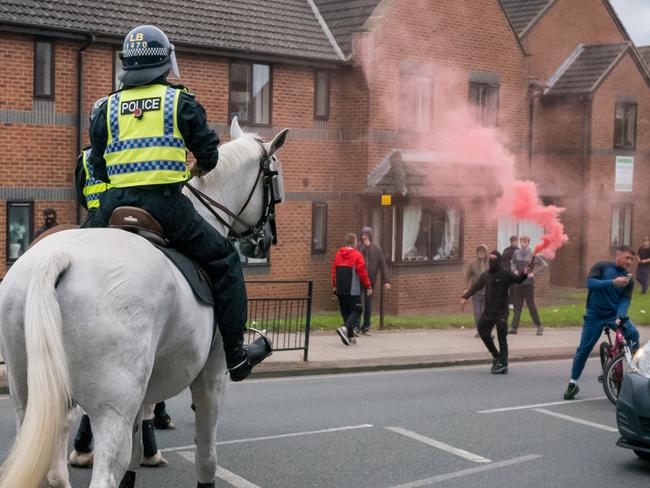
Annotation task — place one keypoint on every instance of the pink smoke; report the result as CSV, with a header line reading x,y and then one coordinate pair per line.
x,y
521,201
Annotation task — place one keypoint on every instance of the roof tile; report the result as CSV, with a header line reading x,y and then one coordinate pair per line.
x,y
522,12
588,67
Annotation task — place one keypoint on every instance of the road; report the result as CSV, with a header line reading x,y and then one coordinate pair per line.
x,y
453,427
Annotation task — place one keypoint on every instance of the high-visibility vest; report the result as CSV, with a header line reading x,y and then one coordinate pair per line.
x,y
93,187
144,145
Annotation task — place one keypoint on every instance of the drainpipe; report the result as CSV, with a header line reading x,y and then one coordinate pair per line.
x,y
586,155
535,90
80,98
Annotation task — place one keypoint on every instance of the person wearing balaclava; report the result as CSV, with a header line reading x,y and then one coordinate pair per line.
x,y
496,282
49,217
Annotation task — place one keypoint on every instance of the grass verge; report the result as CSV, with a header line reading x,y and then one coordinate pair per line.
x,y
564,315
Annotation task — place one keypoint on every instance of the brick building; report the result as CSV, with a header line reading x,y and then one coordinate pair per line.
x,y
368,88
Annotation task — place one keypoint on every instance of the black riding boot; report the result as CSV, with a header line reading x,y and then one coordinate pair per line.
x,y
162,420
83,441
231,313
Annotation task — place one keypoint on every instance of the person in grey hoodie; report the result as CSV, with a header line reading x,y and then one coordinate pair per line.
x,y
522,259
475,269
375,261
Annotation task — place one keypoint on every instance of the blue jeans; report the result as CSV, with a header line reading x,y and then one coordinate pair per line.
x,y
592,329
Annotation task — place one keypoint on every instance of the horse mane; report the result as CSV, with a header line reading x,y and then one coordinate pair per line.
x,y
231,156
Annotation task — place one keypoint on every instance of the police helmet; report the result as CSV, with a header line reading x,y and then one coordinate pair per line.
x,y
146,55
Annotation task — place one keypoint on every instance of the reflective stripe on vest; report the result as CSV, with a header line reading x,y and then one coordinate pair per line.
x,y
144,144
93,187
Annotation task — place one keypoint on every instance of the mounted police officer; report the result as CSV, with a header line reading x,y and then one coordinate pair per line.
x,y
140,136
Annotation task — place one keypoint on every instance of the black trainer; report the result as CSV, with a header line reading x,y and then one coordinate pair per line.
x,y
500,368
256,352
343,334
571,391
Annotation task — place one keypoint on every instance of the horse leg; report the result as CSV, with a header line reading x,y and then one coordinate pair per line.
x,y
152,456
208,391
58,476
128,481
113,429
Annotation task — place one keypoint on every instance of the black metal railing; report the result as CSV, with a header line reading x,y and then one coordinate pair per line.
x,y
283,310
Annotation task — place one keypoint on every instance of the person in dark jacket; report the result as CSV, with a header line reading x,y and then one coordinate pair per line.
x,y
509,252
610,286
643,269
49,217
374,257
348,276
496,282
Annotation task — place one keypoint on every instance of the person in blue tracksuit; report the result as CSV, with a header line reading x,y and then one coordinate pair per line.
x,y
610,292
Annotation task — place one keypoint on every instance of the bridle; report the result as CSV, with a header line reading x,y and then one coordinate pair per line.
x,y
255,241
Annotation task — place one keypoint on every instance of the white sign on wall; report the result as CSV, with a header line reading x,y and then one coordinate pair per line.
x,y
624,173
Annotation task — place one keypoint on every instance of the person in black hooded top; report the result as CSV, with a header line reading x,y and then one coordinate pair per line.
x,y
496,282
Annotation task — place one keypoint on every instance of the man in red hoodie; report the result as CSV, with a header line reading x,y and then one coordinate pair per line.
x,y
349,274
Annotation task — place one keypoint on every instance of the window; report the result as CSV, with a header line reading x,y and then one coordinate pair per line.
x,y
117,66
416,102
430,233
625,126
250,93
507,227
621,224
319,228
484,102
20,220
321,95
43,69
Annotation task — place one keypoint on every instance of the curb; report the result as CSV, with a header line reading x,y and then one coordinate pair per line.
x,y
286,370
292,369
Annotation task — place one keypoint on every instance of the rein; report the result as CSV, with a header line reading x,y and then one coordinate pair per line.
x,y
270,198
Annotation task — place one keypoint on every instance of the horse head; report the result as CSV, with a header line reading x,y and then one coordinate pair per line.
x,y
248,181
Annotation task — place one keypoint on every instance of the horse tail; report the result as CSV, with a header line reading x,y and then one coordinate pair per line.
x,y
48,379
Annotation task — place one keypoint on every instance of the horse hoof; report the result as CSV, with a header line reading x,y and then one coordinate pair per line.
x,y
155,461
81,459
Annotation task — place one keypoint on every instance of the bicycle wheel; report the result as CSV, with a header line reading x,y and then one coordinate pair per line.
x,y
613,377
604,354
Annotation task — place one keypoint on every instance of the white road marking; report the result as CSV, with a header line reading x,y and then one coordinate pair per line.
x,y
269,437
577,420
4,397
228,476
538,405
440,445
468,472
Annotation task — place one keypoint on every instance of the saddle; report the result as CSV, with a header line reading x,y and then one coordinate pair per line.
x,y
140,222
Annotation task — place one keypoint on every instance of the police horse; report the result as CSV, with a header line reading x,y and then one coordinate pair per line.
x,y
101,319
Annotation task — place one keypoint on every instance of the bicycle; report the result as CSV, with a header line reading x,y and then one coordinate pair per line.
x,y
615,359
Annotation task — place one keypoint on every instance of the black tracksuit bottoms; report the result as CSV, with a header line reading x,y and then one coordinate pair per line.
x,y
485,326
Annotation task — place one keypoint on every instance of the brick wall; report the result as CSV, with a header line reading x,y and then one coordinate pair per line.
x,y
566,24
335,156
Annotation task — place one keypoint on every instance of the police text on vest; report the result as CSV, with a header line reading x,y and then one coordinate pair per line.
x,y
144,104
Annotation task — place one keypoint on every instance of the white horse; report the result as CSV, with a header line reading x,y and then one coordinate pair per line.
x,y
101,319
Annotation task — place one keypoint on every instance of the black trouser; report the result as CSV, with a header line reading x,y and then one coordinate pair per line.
x,y
642,273
521,293
188,232
350,306
485,326
366,302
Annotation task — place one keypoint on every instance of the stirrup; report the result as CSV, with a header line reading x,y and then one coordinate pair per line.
x,y
243,369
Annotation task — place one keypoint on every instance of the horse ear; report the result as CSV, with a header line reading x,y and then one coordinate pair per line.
x,y
277,142
235,130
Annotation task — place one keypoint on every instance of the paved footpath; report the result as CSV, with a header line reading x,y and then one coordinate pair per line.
x,y
412,349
